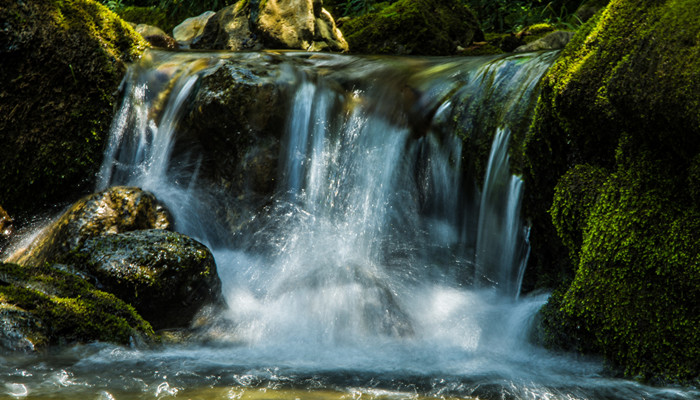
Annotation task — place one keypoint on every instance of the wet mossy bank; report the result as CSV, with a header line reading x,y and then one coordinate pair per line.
x,y
614,151
61,64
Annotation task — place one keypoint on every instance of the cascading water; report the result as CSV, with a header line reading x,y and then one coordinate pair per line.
x,y
387,261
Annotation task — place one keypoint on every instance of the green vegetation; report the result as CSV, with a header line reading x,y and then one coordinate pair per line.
x,y
68,307
623,97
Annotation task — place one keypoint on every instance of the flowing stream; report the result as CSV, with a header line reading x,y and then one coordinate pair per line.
x,y
385,262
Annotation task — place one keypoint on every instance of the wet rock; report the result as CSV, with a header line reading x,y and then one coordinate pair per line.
x,y
115,210
273,24
416,27
235,119
167,277
191,29
47,305
552,41
58,84
21,330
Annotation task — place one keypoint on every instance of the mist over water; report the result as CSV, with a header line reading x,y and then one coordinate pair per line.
x,y
381,267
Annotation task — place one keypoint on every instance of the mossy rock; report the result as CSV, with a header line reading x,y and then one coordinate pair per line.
x,y
167,277
636,295
623,97
635,67
46,305
62,62
115,210
416,27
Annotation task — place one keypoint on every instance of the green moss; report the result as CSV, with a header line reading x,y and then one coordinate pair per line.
x,y
622,97
428,27
70,308
58,85
574,195
636,294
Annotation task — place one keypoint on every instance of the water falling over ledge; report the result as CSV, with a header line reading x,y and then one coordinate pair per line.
x,y
365,242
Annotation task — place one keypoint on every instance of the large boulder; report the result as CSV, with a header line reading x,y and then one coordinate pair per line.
x,y
45,305
273,24
236,120
167,277
115,210
415,27
617,133
59,77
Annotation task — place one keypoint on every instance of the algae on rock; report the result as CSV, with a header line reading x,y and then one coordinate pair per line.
x,y
40,306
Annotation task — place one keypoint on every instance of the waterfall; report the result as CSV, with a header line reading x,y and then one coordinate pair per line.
x,y
378,230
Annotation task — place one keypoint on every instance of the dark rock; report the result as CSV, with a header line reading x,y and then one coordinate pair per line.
x,y
166,276
116,210
58,85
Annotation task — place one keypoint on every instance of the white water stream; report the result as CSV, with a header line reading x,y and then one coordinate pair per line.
x,y
378,269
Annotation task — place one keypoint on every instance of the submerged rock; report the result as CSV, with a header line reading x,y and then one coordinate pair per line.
x,y
415,27
617,133
58,84
115,210
45,305
167,277
272,24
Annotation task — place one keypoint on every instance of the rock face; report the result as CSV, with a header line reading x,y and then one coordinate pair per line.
x,y
273,24
617,133
45,305
58,84
116,210
166,276
416,27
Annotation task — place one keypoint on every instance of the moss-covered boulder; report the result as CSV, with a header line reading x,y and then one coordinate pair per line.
x,y
167,277
115,210
623,97
61,63
40,306
416,27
